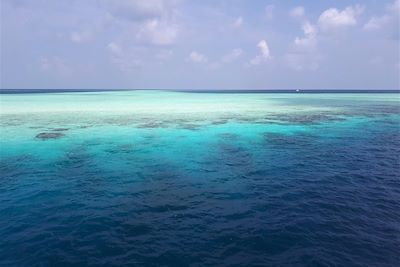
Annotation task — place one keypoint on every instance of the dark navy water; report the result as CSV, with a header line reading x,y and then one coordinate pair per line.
x,y
307,190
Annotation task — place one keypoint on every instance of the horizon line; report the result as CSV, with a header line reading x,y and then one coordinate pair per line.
x,y
66,90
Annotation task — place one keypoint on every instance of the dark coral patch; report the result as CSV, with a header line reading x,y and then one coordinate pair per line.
x,y
46,136
60,129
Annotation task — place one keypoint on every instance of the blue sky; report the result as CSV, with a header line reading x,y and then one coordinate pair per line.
x,y
188,44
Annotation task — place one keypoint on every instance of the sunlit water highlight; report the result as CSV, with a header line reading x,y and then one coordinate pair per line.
x,y
151,178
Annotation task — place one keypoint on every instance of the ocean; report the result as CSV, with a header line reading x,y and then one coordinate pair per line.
x,y
164,178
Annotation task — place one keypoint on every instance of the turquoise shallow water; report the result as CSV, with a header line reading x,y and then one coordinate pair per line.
x,y
153,178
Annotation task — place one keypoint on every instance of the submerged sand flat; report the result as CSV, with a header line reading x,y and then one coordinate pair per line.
x,y
47,116
163,105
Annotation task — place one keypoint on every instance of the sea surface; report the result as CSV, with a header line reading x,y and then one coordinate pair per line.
x,y
155,178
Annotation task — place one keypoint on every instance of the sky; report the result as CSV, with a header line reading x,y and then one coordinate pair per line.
x,y
208,44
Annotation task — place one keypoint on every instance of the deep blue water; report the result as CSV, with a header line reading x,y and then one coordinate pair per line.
x,y
301,192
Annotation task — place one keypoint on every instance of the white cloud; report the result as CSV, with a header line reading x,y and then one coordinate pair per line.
x,y
151,21
333,18
394,7
303,54
263,45
238,23
379,22
158,32
197,57
269,12
265,53
137,10
309,40
233,55
376,23
309,29
297,12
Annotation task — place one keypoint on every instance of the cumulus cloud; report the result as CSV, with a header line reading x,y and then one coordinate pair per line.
x,y
394,7
309,40
140,10
197,57
376,23
333,18
150,21
238,23
390,17
264,55
131,34
158,32
309,29
232,56
297,12
303,54
330,19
